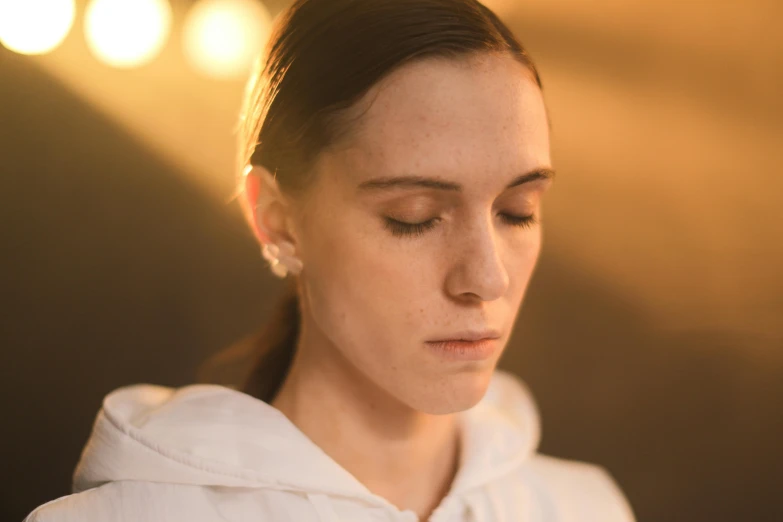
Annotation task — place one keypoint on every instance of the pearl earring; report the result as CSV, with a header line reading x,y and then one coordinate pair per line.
x,y
281,259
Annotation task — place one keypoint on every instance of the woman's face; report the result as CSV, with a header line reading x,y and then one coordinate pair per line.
x,y
439,146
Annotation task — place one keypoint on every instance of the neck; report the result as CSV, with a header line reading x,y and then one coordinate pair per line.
x,y
405,456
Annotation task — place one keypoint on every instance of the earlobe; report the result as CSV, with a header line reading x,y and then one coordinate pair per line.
x,y
281,259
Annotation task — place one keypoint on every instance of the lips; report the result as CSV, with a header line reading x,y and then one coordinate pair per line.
x,y
467,336
465,351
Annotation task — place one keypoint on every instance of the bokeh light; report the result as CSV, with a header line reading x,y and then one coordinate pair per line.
x,y
127,33
222,38
35,26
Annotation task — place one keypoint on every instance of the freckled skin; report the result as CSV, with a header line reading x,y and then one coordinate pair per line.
x,y
372,299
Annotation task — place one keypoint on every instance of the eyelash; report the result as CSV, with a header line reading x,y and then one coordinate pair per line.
x,y
400,229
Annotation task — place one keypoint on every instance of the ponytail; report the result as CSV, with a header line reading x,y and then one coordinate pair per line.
x,y
274,348
270,352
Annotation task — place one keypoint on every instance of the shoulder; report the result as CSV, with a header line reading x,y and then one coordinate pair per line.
x,y
114,501
576,491
134,501
127,501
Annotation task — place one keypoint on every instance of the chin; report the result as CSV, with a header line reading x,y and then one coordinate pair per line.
x,y
453,393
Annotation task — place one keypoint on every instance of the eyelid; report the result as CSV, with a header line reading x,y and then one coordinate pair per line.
x,y
414,213
404,229
412,230
415,207
526,199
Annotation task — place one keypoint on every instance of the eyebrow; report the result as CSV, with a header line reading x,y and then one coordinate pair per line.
x,y
438,184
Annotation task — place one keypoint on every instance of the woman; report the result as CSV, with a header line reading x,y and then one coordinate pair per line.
x,y
394,157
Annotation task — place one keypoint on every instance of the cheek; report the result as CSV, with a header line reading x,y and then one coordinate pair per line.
x,y
523,262
362,286
530,249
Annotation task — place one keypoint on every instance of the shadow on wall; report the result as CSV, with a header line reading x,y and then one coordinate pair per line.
x,y
117,271
688,423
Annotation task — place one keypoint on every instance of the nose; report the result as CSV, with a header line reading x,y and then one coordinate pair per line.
x,y
478,271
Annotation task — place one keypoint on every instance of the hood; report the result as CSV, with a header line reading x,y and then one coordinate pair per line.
x,y
216,436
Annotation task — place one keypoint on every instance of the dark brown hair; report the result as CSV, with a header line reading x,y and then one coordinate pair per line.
x,y
324,55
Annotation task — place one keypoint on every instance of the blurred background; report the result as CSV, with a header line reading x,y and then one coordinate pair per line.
x,y
652,334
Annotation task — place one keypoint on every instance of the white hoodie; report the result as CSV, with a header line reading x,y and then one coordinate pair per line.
x,y
210,453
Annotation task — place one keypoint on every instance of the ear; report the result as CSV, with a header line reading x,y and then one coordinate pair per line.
x,y
252,190
267,205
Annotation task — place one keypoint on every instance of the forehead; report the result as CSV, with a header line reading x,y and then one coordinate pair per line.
x,y
470,120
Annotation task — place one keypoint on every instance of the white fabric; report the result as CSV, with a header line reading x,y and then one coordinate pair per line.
x,y
206,453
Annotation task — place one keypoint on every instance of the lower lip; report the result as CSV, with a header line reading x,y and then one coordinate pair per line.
x,y
465,350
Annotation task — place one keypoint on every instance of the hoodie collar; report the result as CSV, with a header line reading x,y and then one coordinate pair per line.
x,y
498,434
217,436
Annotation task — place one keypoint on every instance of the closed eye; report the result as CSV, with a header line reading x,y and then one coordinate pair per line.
x,y
403,229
